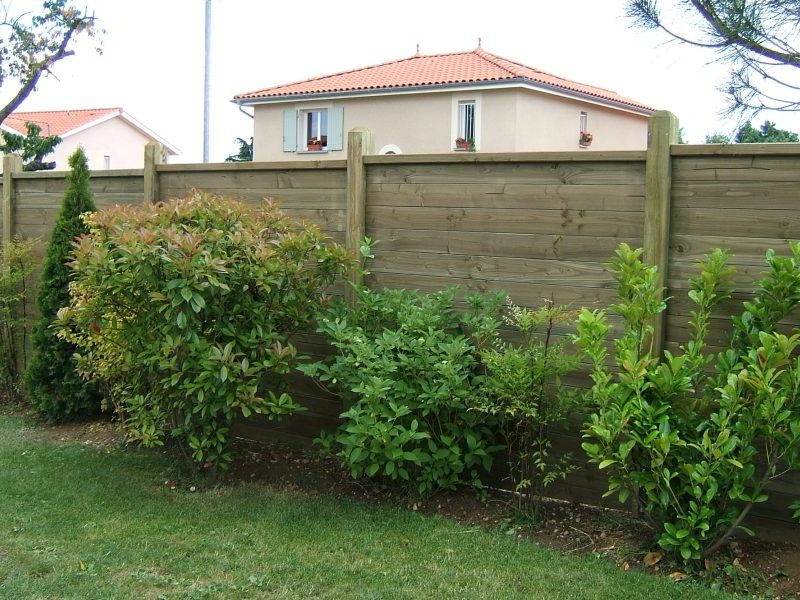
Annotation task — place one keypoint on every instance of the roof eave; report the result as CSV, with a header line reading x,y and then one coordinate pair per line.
x,y
511,82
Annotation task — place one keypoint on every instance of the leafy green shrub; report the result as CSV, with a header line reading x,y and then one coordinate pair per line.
x,y
523,390
15,268
185,311
54,387
695,449
410,373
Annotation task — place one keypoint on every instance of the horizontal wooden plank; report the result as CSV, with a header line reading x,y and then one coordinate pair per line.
x,y
285,198
736,168
736,223
99,185
63,174
500,157
254,166
253,179
566,222
501,195
744,251
555,173
789,149
565,247
743,277
54,201
724,195
520,293
492,268
327,220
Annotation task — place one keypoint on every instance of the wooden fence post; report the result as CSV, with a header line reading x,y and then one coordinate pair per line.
x,y
153,155
662,133
12,163
359,143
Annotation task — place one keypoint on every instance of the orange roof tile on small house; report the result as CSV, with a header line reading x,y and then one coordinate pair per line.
x,y
65,123
437,72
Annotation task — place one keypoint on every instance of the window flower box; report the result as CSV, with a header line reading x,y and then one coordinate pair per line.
x,y
465,144
585,139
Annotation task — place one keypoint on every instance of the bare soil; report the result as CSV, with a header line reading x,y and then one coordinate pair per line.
x,y
750,566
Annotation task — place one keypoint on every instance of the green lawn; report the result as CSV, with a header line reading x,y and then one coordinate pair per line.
x,y
76,522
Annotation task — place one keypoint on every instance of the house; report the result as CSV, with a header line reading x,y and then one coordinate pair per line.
x,y
424,104
111,138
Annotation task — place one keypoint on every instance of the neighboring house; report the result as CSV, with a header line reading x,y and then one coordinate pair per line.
x,y
111,138
423,103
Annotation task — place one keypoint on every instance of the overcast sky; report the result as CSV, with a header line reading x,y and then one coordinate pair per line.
x,y
152,60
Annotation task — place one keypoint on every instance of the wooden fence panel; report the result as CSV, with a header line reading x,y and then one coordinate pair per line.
x,y
316,195
535,229
536,225
746,203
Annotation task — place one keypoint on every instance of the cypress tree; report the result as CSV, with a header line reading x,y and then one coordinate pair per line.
x,y
54,387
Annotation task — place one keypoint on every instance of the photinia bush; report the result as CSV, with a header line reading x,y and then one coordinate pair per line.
x,y
185,312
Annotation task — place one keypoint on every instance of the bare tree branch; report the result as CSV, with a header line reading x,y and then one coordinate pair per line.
x,y
31,43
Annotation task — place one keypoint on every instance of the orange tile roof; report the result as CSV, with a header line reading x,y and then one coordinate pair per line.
x,y
473,67
57,122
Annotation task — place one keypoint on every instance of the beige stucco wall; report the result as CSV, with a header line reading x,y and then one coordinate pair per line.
x,y
114,138
548,122
510,120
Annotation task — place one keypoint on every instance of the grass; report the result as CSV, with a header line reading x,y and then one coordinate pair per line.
x,y
77,522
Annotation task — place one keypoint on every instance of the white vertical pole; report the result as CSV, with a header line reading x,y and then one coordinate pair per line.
x,y
207,83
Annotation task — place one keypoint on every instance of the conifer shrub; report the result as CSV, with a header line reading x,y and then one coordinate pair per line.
x,y
185,312
54,386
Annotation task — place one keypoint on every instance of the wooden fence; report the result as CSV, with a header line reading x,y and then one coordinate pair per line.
x,y
538,225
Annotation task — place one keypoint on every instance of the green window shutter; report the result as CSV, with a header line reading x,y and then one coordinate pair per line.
x,y
336,128
290,130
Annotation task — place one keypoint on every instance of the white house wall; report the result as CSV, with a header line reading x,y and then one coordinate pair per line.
x,y
123,144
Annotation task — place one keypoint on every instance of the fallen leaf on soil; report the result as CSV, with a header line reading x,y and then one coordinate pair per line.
x,y
678,576
653,558
709,565
625,566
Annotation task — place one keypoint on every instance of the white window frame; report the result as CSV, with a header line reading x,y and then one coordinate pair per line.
x,y
583,124
107,161
302,138
457,101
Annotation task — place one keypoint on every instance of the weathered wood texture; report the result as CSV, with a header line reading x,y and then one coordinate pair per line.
x,y
39,197
661,135
535,229
12,165
317,195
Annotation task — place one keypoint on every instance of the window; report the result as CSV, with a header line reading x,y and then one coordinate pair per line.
x,y
314,130
466,120
106,162
584,125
